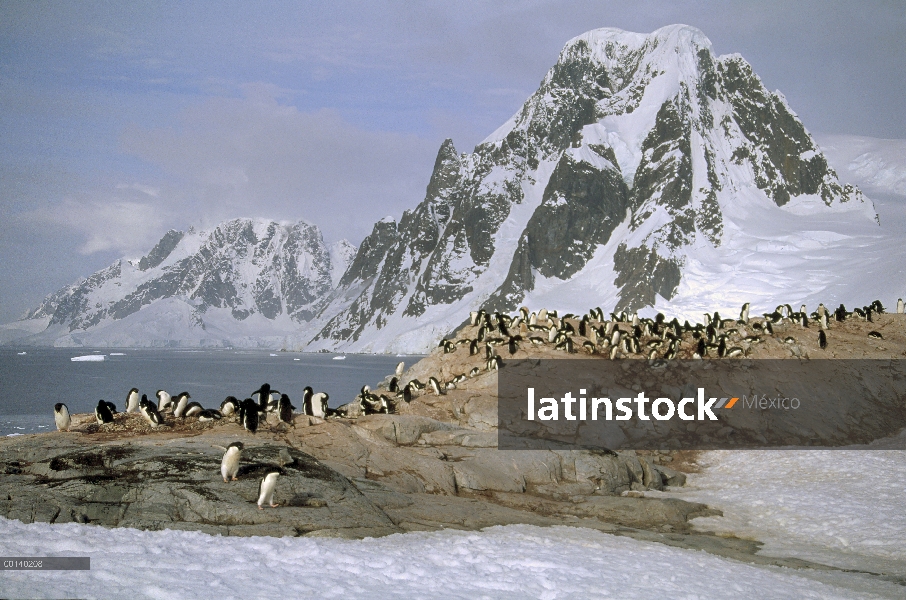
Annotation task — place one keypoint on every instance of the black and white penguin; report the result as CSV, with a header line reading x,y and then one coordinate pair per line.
x,y
149,412
182,401
248,415
266,490
229,465
102,413
400,367
394,385
822,339
744,313
132,400
163,399
876,335
209,414
901,308
407,392
229,406
285,409
61,416
436,387
192,409
264,396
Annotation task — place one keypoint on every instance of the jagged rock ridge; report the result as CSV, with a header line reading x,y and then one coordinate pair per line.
x,y
637,159
200,288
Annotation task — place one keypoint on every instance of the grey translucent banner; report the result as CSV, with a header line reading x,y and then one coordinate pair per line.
x,y
698,404
45,563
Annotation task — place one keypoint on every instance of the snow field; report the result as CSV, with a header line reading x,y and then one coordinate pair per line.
x,y
499,562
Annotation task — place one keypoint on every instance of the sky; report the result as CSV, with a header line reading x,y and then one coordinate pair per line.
x,y
119,121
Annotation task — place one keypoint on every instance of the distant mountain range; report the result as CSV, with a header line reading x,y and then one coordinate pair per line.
x,y
644,174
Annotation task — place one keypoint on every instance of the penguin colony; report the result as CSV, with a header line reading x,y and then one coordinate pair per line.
x,y
489,335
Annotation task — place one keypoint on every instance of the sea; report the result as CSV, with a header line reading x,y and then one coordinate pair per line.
x,y
32,380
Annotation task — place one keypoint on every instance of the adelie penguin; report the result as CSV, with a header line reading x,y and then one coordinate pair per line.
x,y
103,413
149,412
229,465
132,400
163,399
229,406
266,490
264,396
61,416
822,339
182,401
285,409
248,415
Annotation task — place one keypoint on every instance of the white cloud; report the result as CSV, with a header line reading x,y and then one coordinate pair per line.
x,y
253,156
122,226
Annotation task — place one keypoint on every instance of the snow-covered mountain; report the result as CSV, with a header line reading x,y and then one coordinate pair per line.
x,y
644,173
243,283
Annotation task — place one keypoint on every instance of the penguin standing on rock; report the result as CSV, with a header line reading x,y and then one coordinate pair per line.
x,y
267,489
229,465
61,416
182,401
132,401
163,399
822,339
248,415
264,396
285,409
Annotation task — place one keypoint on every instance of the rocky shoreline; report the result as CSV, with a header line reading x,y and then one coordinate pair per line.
x,y
433,465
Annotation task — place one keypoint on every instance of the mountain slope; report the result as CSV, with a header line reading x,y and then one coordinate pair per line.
x,y
640,172
245,282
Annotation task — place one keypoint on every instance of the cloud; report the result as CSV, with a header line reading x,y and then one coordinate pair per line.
x,y
122,226
253,156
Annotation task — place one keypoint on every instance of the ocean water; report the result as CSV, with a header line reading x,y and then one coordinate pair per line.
x,y
31,383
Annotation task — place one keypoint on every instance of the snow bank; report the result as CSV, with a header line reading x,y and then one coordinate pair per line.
x,y
839,507
500,562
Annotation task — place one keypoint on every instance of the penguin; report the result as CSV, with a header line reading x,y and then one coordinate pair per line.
x,y
192,409
394,385
266,490
319,404
229,406
61,416
209,414
513,344
875,335
474,371
182,400
248,415
102,413
901,308
822,339
264,396
132,400
407,392
285,409
399,369
149,411
435,386
163,399
744,313
229,465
